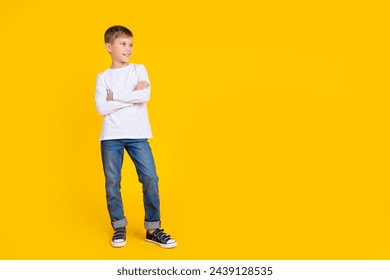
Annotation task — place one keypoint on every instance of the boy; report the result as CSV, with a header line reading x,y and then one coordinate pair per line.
x,y
121,95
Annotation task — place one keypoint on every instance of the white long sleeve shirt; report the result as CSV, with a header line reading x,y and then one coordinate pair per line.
x,y
125,117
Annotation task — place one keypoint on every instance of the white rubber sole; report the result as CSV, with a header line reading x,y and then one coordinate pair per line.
x,y
118,244
166,246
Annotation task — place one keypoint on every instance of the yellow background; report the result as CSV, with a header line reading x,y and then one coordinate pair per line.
x,y
270,122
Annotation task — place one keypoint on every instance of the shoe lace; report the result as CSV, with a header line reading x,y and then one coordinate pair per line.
x,y
161,235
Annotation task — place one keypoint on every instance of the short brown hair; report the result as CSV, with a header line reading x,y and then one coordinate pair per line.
x,y
114,32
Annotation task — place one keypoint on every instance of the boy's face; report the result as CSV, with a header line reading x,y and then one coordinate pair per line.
x,y
120,50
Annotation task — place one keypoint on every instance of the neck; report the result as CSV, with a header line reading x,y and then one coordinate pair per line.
x,y
116,64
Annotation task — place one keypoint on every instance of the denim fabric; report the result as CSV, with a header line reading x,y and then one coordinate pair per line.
x,y
141,154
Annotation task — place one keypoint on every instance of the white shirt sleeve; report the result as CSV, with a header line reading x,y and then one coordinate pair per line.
x,y
135,96
103,106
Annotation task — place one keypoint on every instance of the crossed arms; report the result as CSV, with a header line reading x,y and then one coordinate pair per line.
x,y
108,102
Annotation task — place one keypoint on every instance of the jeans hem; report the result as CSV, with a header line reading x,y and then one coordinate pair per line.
x,y
119,223
152,225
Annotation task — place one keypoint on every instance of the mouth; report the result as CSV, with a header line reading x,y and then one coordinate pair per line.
x,y
127,54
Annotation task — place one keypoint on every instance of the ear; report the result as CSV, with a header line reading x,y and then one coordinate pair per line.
x,y
108,47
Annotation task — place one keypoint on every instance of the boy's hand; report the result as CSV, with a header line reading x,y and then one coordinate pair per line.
x,y
141,85
110,96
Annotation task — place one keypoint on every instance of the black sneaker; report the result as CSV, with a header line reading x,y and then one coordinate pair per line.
x,y
161,238
119,238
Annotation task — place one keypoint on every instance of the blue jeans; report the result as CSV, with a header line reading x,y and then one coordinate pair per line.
x,y
141,154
